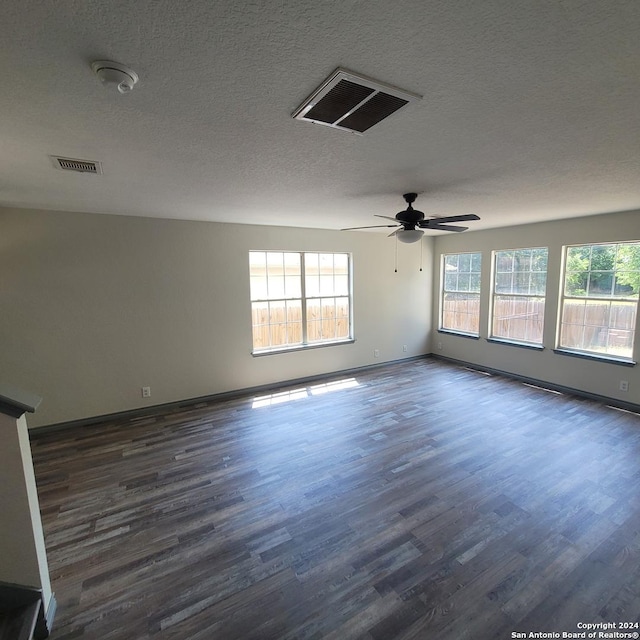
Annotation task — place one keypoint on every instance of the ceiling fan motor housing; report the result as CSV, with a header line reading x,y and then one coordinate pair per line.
x,y
410,217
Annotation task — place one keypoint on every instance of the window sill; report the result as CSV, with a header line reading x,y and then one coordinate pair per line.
x,y
515,343
300,347
625,362
462,334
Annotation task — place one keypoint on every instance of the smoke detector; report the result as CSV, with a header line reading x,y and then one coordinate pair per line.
x,y
115,73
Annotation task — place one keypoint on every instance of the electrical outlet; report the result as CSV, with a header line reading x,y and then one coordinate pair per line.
x,y
439,346
624,385
146,392
376,353
404,348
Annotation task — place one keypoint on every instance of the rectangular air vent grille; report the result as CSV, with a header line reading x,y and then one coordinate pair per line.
x,y
344,97
80,166
352,103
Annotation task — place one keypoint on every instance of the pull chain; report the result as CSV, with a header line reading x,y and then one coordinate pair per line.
x,y
421,252
396,263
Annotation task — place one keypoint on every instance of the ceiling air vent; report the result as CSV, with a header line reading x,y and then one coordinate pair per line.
x,y
73,164
351,102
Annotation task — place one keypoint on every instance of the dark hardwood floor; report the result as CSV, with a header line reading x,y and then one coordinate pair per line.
x,y
428,501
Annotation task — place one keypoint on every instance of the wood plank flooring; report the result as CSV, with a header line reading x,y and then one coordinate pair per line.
x,y
419,500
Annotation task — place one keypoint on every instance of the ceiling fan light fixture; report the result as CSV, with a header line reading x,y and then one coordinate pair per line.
x,y
409,236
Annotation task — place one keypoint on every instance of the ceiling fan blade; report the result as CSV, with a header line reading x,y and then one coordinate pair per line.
x,y
394,233
461,218
442,227
386,217
375,226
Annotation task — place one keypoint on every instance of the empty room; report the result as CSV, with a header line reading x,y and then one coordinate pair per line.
x,y
320,321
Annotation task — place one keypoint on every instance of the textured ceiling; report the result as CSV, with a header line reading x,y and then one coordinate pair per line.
x,y
530,109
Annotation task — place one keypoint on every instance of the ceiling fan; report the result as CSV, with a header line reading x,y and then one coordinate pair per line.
x,y
411,222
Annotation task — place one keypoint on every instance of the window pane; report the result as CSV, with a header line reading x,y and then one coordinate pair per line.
x,y
258,287
503,283
342,307
504,262
622,315
522,260
451,262
260,313
460,308
600,284
294,311
312,285
518,302
518,318
292,286
257,262
576,283
450,281
341,285
464,262
461,312
313,309
341,263
292,264
474,282
538,284
624,284
326,262
464,280
275,264
603,257
326,285
314,330
276,287
539,260
601,274
278,311
521,283
311,264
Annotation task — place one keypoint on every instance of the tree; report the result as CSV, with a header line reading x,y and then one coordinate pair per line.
x,y
605,269
628,267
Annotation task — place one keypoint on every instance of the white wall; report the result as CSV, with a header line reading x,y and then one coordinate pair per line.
x,y
95,307
586,375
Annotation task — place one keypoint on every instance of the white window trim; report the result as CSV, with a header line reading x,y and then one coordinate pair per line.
x,y
502,339
304,345
583,353
441,327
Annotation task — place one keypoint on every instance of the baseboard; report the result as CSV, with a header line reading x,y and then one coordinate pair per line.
x,y
613,402
132,414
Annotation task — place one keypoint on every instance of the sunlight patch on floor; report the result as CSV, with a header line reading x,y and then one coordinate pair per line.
x,y
304,392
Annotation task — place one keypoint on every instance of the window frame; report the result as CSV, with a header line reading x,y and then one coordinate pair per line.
x,y
605,356
443,291
304,298
493,336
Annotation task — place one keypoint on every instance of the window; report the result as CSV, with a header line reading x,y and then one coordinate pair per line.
x,y
461,293
600,299
519,285
299,299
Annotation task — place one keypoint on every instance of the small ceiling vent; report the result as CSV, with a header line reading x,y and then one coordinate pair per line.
x,y
351,102
73,164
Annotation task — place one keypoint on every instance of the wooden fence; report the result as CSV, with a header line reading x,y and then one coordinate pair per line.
x,y
595,326
279,325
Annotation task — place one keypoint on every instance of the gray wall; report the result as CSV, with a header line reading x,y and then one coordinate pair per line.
x,y
586,375
94,307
